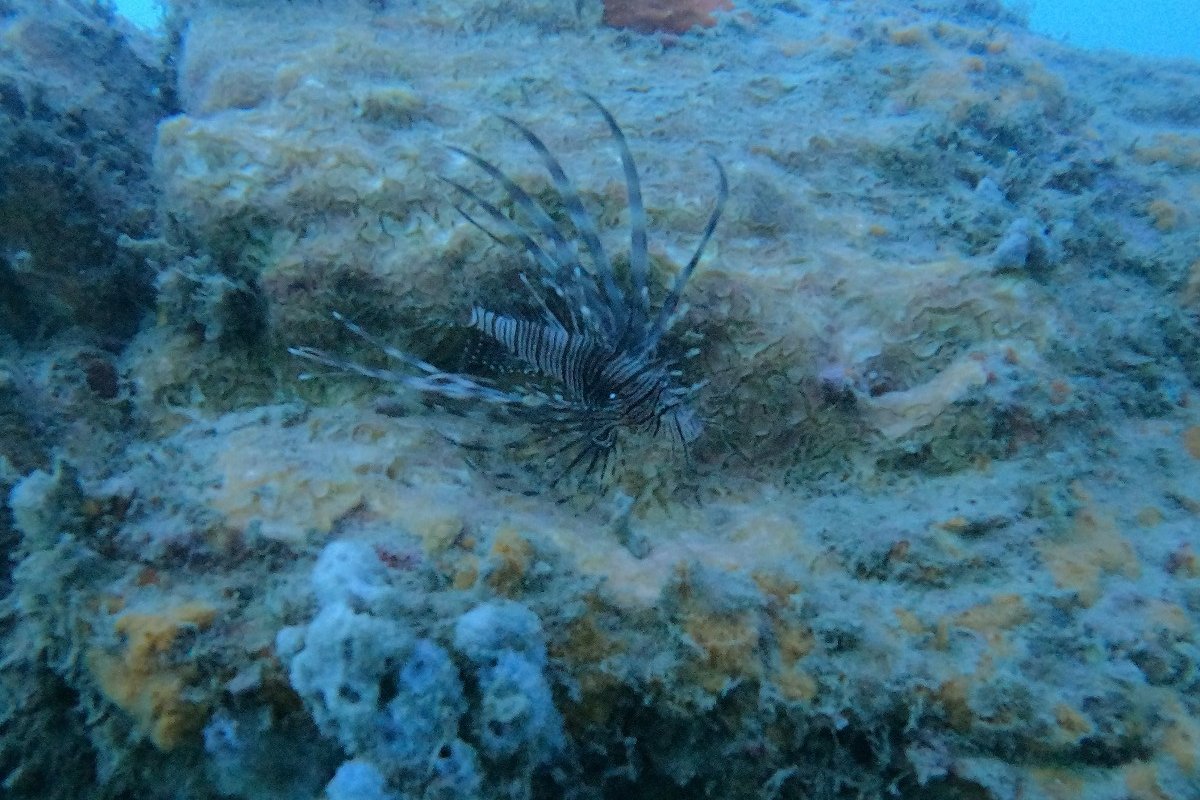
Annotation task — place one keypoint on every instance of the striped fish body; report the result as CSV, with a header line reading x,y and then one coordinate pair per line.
x,y
573,360
634,390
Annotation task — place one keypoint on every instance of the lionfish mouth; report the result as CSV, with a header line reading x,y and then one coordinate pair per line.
x,y
593,344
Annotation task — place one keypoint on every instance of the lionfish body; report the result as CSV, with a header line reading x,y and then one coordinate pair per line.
x,y
594,344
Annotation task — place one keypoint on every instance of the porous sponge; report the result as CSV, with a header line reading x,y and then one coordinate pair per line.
x,y
488,630
340,669
424,714
455,773
518,719
394,700
350,573
357,780
386,695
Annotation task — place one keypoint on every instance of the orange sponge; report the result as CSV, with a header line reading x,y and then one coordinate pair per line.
x,y
663,16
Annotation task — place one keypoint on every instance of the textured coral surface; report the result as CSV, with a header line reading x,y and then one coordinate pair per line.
x,y
663,16
937,541
75,175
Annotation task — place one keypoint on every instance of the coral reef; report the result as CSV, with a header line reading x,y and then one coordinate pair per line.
x,y
937,541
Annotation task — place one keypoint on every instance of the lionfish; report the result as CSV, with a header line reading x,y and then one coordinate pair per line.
x,y
591,351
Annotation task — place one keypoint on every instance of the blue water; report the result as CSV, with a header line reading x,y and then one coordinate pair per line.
x,y
1157,27
1168,28
145,13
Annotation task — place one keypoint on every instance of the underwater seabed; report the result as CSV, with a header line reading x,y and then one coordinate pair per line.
x,y
936,540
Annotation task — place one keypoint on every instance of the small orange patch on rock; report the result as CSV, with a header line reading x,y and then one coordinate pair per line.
x,y
1191,289
795,640
1141,781
1181,741
1060,392
145,681
148,576
1002,612
910,623
997,46
1164,214
1093,548
111,604
1059,783
1191,441
1182,562
1170,149
1149,516
776,586
989,619
1072,725
725,639
795,47
663,16
912,36
797,685
509,559
466,573
952,695
958,524
728,642
585,644
792,638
